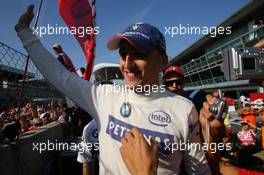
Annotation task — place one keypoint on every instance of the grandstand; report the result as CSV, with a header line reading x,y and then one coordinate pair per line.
x,y
201,61
12,65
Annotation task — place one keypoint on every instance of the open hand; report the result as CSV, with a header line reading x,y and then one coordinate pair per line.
x,y
140,157
25,19
216,126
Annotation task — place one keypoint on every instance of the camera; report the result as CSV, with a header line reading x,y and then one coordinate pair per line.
x,y
243,63
219,109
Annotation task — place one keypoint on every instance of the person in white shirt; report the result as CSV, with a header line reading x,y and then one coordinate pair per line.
x,y
145,105
88,154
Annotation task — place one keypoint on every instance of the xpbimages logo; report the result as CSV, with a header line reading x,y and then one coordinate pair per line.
x,y
80,31
180,29
60,146
188,146
141,89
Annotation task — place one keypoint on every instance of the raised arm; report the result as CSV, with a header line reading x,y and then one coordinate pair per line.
x,y
80,91
217,131
194,159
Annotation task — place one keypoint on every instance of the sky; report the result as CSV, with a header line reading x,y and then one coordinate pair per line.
x,y
114,16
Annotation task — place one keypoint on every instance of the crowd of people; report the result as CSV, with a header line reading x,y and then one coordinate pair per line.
x,y
15,122
126,118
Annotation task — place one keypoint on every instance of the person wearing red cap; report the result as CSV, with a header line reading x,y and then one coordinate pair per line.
x,y
173,77
64,58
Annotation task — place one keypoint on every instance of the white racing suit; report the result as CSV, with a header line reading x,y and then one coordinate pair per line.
x,y
170,119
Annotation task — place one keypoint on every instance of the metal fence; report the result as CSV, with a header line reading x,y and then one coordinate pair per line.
x,y
12,65
206,69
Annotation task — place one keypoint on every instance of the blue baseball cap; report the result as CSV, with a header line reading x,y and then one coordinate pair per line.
x,y
142,36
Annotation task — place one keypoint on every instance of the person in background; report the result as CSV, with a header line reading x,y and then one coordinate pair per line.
x,y
227,122
82,70
216,94
248,114
88,155
25,117
261,113
64,117
36,122
53,116
229,151
247,136
64,58
247,142
173,78
45,117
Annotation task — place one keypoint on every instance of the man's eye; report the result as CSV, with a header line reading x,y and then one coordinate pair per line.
x,y
122,53
140,55
133,53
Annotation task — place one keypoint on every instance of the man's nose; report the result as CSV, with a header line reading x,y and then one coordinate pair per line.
x,y
128,60
174,85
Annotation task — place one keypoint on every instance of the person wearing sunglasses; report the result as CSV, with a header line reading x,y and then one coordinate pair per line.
x,y
173,79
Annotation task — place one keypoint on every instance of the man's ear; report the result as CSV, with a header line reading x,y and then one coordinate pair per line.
x,y
164,61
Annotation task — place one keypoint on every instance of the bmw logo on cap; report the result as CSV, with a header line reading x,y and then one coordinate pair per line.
x,y
135,27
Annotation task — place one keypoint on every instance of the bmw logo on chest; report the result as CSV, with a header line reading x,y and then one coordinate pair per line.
x,y
125,109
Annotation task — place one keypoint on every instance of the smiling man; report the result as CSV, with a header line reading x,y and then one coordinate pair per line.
x,y
141,56
170,119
